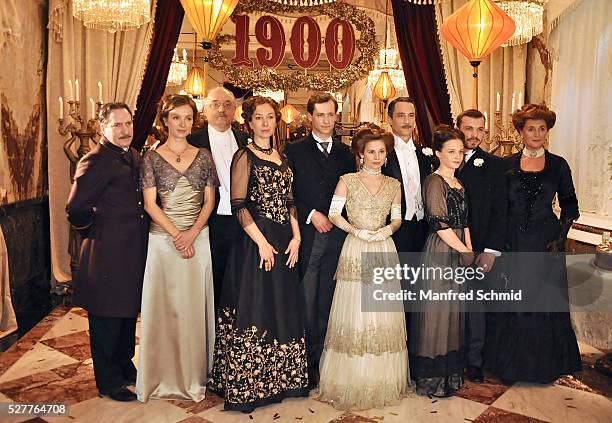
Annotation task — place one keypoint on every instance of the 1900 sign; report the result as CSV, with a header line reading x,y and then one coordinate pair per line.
x,y
305,42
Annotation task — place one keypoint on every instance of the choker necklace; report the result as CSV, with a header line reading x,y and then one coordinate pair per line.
x,y
533,154
267,151
369,171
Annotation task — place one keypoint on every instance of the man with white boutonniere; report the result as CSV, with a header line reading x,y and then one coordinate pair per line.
x,y
482,176
409,163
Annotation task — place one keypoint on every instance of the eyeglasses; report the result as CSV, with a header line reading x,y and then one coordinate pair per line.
x,y
217,104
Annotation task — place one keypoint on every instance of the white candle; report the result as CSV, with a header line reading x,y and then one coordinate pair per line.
x,y
497,104
61,102
486,121
76,88
93,107
513,103
71,96
184,55
100,91
520,103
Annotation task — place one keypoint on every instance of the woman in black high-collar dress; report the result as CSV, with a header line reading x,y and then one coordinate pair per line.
x,y
536,343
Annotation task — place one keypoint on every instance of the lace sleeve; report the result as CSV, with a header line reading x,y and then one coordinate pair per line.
x,y
209,171
147,172
239,183
434,197
291,204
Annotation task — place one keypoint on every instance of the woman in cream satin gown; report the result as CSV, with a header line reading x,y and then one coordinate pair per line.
x,y
365,360
177,317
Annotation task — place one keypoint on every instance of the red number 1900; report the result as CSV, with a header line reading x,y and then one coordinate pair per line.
x,y
305,42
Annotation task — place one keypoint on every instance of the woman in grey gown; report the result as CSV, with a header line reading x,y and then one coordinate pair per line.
x,y
177,317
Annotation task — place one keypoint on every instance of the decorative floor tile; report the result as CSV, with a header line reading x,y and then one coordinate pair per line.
x,y
353,418
38,359
485,393
422,409
556,403
68,384
68,324
294,410
102,410
495,415
211,400
75,345
588,380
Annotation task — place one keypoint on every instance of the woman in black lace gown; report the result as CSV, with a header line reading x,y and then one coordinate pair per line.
x,y
437,328
260,352
532,346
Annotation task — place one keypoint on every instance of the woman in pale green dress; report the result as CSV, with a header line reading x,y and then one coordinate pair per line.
x,y
177,317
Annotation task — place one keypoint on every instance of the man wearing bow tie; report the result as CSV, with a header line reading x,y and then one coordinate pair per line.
x,y
482,176
317,162
222,140
410,165
106,206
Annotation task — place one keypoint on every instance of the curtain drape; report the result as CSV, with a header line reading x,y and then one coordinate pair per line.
x,y
581,91
168,21
418,43
117,60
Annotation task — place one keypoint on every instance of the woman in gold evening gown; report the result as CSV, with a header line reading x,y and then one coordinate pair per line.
x,y
365,360
177,316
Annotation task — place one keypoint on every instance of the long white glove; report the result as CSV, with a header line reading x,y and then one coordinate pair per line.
x,y
382,234
335,214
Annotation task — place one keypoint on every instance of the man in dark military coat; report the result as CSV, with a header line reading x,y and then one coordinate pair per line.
x,y
106,206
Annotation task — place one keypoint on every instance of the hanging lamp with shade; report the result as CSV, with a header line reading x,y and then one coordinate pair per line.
x,y
384,89
207,17
476,29
196,79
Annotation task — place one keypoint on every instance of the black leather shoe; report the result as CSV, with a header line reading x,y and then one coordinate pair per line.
x,y
121,394
130,380
475,374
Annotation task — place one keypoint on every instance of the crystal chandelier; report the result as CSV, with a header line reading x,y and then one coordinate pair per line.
x,y
178,69
388,61
528,15
112,15
277,96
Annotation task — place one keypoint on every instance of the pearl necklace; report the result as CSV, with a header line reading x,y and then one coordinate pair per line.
x,y
369,171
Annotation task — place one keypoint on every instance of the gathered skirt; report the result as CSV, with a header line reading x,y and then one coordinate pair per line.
x,y
365,360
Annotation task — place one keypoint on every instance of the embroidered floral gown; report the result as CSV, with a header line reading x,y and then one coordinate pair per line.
x,y
260,352
365,361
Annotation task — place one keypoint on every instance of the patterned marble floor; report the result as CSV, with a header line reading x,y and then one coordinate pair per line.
x,y
52,363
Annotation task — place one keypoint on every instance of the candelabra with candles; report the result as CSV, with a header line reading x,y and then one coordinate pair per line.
x,y
505,137
82,131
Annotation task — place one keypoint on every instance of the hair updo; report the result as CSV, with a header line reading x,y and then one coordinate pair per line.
x,y
249,106
534,112
365,135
